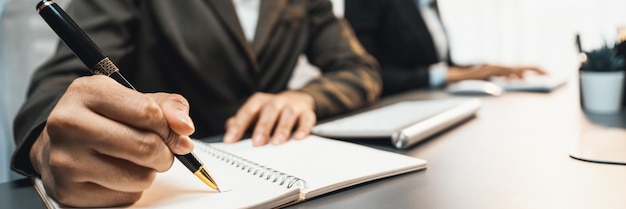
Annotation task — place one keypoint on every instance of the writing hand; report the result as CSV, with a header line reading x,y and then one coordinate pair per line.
x,y
103,143
279,112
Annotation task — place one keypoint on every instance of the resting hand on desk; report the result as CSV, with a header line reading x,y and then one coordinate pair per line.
x,y
279,112
103,143
484,72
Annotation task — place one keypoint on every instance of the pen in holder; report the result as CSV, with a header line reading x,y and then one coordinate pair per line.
x,y
621,51
601,81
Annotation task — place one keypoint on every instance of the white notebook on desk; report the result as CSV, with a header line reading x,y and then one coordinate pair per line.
x,y
269,176
405,123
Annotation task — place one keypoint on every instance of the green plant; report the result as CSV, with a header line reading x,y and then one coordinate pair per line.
x,y
602,60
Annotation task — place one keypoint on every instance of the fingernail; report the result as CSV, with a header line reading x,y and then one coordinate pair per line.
x,y
258,139
184,140
278,138
229,138
183,116
299,135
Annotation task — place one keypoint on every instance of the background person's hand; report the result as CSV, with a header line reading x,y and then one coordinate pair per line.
x,y
103,143
275,116
484,72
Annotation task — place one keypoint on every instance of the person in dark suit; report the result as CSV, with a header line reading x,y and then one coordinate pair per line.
x,y
206,67
410,43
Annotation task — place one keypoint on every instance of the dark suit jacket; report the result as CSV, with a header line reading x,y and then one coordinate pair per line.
x,y
197,48
394,32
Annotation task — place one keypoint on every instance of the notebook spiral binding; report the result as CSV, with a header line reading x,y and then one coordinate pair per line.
x,y
253,168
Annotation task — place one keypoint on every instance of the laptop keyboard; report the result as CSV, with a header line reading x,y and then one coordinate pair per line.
x,y
530,82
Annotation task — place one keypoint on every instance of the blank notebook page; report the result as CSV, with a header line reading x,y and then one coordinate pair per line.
x,y
326,165
179,188
256,177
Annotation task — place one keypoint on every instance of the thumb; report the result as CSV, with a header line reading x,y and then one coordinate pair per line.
x,y
176,111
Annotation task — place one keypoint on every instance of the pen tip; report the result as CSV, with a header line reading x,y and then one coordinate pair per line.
x,y
206,178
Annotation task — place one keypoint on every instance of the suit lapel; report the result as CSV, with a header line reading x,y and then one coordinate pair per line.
x,y
225,10
268,16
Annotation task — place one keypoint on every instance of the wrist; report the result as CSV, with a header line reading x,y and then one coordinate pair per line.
x,y
302,96
36,151
455,74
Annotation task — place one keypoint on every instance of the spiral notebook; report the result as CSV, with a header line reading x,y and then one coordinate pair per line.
x,y
269,176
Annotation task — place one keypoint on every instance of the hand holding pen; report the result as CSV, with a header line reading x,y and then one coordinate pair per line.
x,y
103,142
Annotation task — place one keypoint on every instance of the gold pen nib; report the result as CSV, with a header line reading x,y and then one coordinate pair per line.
x,y
203,175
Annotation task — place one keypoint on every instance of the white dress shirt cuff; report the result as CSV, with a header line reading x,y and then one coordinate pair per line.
x,y
437,74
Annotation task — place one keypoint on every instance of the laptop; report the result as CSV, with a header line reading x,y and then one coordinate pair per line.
x,y
531,83
404,123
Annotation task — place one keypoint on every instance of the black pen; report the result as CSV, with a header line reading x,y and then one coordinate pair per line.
x,y
582,57
91,55
579,44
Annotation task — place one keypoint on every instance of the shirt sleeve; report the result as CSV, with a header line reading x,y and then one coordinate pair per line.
x,y
437,74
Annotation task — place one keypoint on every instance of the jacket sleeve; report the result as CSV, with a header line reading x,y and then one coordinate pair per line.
x,y
50,81
350,76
